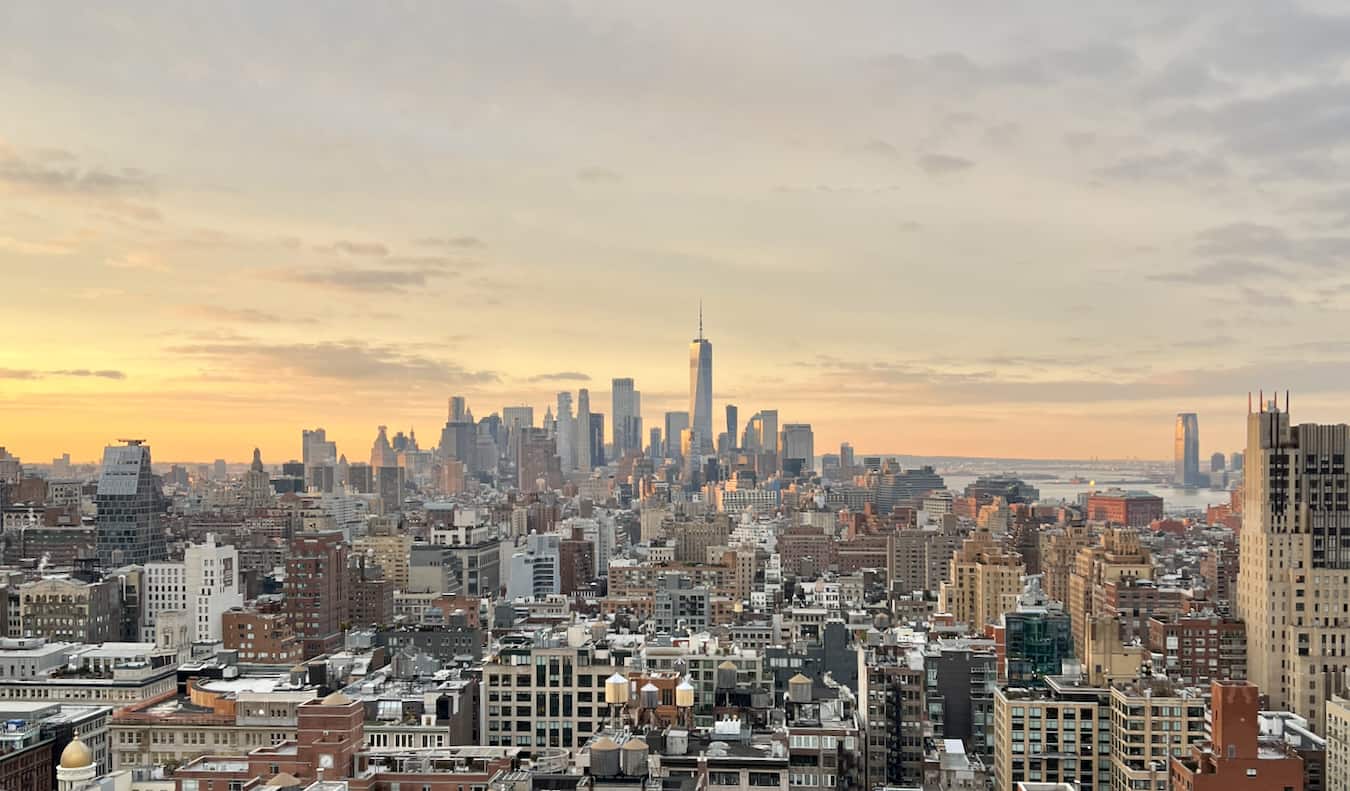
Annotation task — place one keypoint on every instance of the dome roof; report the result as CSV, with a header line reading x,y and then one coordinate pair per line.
x,y
799,679
77,755
336,699
634,744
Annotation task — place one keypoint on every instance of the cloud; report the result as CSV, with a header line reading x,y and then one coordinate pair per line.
x,y
1077,141
880,148
376,365
343,247
598,175
942,164
47,172
144,261
1266,299
951,70
1212,342
1298,120
1279,39
1183,79
104,373
1219,273
400,276
34,248
1003,135
1248,240
560,376
238,315
450,241
122,212
1168,166
881,382
29,374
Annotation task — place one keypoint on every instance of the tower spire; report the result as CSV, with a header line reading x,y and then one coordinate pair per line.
x,y
700,319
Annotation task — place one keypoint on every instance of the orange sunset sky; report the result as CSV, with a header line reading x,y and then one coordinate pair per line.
x,y
1041,235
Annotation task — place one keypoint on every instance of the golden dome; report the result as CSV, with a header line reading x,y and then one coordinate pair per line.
x,y
77,755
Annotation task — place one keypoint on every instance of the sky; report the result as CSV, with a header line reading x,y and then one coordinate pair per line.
x,y
977,228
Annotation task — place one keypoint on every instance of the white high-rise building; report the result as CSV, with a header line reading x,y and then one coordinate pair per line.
x,y
211,580
165,591
700,390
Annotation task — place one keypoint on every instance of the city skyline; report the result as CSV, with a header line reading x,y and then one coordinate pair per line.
x,y
700,394
903,227
360,426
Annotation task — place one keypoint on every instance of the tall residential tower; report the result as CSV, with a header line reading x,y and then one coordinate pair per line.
x,y
627,416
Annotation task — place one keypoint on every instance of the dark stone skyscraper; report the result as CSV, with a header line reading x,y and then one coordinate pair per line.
x,y
597,439
130,505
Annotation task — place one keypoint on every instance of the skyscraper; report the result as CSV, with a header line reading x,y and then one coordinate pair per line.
x,y
700,389
566,432
1294,560
381,452
537,464
583,430
459,409
459,435
761,440
316,450
726,441
1187,450
627,417
257,485
515,418
597,440
676,423
129,506
798,448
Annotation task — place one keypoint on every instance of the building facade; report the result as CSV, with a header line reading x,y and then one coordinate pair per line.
x,y
1294,578
129,505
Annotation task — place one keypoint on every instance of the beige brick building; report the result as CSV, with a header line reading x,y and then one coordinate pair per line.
x,y
1294,582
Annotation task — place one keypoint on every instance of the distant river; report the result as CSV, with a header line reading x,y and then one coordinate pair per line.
x,y
1175,501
